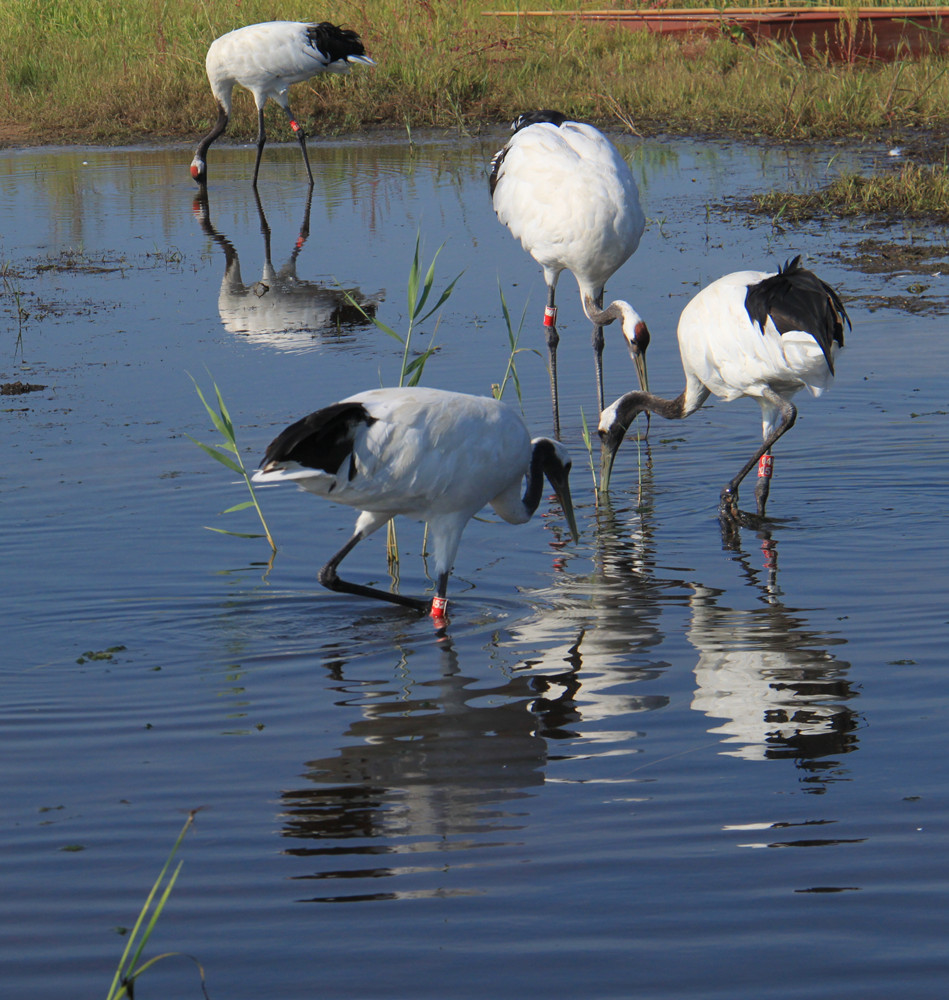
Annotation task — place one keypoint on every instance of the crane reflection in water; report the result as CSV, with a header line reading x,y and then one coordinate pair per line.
x,y
772,678
281,309
593,687
429,766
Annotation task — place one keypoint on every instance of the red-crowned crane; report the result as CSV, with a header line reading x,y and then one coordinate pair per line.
x,y
754,334
267,59
429,454
564,190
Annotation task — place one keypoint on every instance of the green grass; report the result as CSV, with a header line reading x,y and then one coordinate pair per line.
x,y
86,71
915,191
89,71
130,966
513,339
228,454
418,292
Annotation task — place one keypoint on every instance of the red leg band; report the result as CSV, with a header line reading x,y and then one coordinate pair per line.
x,y
439,606
765,465
550,315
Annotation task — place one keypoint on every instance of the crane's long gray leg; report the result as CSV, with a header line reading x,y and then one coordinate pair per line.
x,y
301,138
728,506
553,339
261,142
329,579
598,340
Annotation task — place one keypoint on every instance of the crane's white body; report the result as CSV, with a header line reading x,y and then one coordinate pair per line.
x,y
570,198
564,191
267,59
728,355
424,453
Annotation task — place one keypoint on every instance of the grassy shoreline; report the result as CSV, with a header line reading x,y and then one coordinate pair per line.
x,y
80,71
83,71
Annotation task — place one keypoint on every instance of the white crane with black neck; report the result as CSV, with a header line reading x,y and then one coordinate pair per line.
x,y
428,454
750,333
267,59
565,191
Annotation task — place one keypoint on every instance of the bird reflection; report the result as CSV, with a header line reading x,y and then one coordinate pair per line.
x,y
281,309
779,690
441,766
606,624
427,769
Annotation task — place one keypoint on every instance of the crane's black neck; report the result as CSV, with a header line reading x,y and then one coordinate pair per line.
x,y
219,127
543,455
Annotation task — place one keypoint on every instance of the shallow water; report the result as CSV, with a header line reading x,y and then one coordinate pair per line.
x,y
573,793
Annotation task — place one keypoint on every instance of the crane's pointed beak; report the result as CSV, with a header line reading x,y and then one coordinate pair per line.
x,y
639,360
561,486
609,445
566,501
361,59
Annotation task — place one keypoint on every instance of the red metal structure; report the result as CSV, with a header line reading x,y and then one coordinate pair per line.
x,y
842,33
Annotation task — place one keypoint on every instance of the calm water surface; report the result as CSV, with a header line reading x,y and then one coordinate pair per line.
x,y
643,766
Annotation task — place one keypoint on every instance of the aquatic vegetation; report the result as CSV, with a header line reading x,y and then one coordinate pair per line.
x,y
513,337
223,453
588,444
128,969
418,291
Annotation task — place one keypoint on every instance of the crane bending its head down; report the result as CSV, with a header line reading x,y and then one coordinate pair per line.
x,y
565,191
267,59
433,455
754,334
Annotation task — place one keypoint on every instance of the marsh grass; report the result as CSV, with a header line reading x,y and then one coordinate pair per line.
x,y
128,970
13,290
88,71
418,293
228,454
915,191
513,338
588,444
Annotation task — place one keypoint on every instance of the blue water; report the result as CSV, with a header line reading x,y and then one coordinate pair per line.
x,y
646,765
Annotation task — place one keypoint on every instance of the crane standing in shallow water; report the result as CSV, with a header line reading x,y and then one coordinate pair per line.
x,y
433,455
564,190
754,334
267,59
